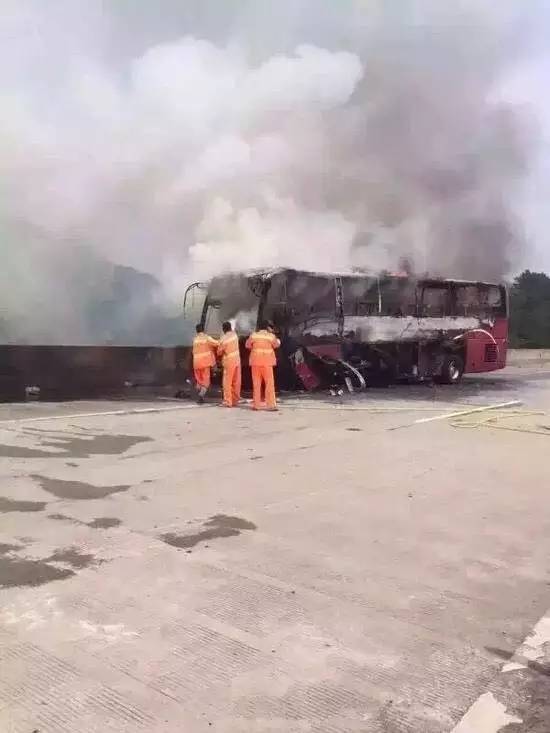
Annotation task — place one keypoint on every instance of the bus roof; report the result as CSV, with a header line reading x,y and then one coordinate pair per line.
x,y
268,273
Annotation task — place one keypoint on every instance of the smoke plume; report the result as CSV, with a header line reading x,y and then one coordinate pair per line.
x,y
180,140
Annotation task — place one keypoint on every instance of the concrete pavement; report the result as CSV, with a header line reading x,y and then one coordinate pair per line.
x,y
173,568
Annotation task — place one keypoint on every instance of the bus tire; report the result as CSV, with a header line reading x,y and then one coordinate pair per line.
x,y
452,369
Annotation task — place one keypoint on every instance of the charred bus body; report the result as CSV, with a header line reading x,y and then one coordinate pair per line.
x,y
356,328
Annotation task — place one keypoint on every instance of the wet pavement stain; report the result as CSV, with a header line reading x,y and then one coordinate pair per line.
x,y
104,523
73,557
98,523
16,572
16,451
17,505
216,527
73,446
76,490
64,518
224,520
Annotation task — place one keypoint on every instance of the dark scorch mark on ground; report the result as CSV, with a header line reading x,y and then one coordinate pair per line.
x,y
18,571
16,505
71,446
219,526
76,490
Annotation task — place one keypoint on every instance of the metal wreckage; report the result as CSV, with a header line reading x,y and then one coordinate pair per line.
x,y
349,330
339,331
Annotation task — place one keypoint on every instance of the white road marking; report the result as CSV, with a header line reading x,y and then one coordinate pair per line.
x,y
532,647
289,405
352,408
500,406
487,715
462,413
512,667
72,416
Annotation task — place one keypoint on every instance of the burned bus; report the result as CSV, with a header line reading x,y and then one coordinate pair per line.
x,y
358,328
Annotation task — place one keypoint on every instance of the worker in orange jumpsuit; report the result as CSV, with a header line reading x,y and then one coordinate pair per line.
x,y
262,345
228,351
204,358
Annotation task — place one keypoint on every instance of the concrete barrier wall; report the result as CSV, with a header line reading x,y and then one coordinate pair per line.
x,y
79,371
528,357
64,371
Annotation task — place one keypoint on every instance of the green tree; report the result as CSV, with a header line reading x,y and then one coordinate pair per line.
x,y
530,311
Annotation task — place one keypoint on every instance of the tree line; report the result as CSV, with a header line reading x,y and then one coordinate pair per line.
x,y
530,311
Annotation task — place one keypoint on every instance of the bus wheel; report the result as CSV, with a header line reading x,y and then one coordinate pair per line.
x,y
452,369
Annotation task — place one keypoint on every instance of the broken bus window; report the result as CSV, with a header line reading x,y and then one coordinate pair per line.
x,y
479,300
310,298
398,296
436,300
361,296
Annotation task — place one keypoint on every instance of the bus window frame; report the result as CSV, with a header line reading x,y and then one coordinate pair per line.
x,y
435,285
362,306
497,311
310,314
276,312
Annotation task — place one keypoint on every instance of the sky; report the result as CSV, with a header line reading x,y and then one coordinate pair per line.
x,y
187,138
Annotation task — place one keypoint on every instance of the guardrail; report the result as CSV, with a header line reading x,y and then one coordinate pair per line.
x,y
528,357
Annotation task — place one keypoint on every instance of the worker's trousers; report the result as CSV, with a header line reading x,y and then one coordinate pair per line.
x,y
262,377
202,379
231,384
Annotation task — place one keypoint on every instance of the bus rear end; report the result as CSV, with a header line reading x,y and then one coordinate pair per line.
x,y
485,347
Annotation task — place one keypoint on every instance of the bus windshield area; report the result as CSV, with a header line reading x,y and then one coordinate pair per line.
x,y
230,298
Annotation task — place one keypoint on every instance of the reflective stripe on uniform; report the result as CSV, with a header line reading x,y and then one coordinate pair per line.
x,y
262,347
269,339
203,354
229,348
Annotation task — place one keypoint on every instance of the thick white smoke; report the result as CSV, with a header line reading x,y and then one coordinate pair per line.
x,y
288,139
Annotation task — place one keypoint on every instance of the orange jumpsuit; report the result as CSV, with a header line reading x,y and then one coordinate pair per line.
x,y
228,350
262,345
204,358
